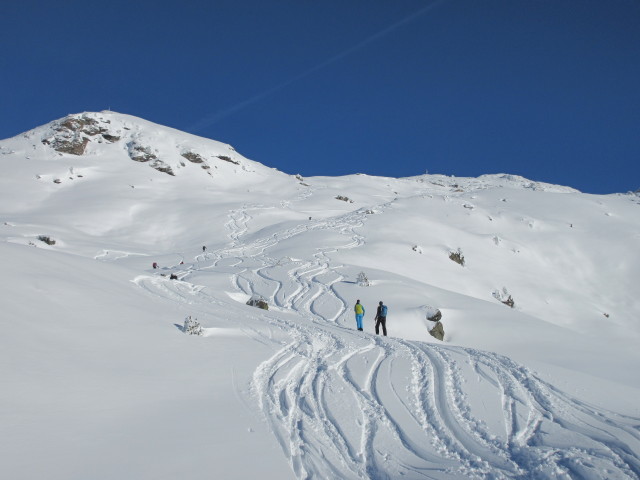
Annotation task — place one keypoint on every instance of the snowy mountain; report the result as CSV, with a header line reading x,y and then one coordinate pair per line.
x,y
536,376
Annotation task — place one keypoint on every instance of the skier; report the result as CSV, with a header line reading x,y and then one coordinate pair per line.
x,y
359,309
155,265
381,318
204,247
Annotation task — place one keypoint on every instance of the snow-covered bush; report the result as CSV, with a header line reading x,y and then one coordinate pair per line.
x,y
192,326
362,280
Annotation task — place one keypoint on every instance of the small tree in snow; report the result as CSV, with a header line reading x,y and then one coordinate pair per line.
x,y
363,281
191,326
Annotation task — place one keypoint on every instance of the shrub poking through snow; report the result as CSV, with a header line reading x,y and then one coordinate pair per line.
x,y
47,240
258,301
457,257
344,199
362,280
504,297
192,326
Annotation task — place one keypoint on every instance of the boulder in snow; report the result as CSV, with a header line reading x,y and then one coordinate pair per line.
x,y
258,301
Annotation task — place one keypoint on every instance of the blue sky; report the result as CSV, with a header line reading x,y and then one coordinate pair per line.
x,y
547,89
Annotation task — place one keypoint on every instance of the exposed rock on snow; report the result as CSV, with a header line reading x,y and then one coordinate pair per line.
x,y
228,159
193,157
47,240
143,154
504,297
72,134
258,301
457,257
433,314
437,331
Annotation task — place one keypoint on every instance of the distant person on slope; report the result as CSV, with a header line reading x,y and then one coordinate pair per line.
x,y
359,309
381,318
204,248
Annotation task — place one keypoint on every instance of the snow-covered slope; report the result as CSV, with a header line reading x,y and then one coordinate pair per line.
x,y
100,381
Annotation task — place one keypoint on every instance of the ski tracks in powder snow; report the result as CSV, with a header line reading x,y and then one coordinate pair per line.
x,y
352,406
344,406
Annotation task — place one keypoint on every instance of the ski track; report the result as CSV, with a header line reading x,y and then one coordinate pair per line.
x,y
348,405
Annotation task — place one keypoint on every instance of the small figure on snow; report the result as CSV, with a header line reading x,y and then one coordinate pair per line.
x,y
204,248
359,309
381,318
155,265
173,276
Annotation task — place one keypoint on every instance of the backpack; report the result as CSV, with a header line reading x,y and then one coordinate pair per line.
x,y
383,311
359,309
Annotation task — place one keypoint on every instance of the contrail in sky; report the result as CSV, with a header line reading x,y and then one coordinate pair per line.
x,y
216,117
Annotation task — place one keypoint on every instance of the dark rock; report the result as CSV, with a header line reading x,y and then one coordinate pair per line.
x,y
110,138
74,146
504,297
228,159
193,157
47,240
140,153
509,301
344,199
457,257
71,134
258,301
437,331
435,317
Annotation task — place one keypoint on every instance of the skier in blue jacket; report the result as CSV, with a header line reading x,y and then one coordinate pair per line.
x,y
359,309
381,318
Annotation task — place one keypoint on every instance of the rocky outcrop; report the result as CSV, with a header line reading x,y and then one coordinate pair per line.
x,y
258,301
72,134
434,325
434,316
457,257
47,240
228,159
437,331
193,157
140,153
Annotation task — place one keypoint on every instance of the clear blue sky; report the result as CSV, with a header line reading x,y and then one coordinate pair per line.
x,y
547,89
